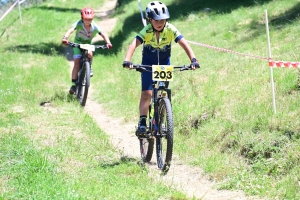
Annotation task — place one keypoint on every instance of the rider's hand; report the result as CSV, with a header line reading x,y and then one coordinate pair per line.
x,y
127,64
109,45
194,64
65,40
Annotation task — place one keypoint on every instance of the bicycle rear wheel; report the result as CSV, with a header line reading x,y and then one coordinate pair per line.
x,y
164,139
83,83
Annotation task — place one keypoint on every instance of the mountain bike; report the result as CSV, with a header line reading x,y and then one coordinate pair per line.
x,y
160,127
83,80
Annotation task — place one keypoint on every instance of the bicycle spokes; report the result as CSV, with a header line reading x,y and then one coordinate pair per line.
x,y
164,142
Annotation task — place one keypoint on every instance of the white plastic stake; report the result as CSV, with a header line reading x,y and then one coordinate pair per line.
x,y
20,11
8,11
270,56
141,11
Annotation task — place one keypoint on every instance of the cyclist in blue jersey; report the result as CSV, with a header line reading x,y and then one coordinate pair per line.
x,y
156,38
86,30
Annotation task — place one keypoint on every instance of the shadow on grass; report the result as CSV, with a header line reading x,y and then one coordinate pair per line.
x,y
275,22
123,160
61,96
41,48
181,8
177,9
52,49
287,17
59,9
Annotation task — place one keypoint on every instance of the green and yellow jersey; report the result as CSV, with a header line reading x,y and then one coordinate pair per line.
x,y
158,52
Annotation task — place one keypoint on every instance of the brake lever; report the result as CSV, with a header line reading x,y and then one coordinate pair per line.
x,y
185,68
140,69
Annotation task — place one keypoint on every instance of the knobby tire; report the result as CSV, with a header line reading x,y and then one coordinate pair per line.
x,y
164,140
79,83
83,83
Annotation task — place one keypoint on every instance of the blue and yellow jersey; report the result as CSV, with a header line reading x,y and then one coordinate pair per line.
x,y
158,52
82,35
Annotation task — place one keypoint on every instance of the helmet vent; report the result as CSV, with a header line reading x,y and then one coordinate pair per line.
x,y
157,10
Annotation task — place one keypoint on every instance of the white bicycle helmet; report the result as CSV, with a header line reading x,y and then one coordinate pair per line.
x,y
157,10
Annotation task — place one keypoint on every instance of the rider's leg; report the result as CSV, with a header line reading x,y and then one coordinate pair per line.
x,y
144,106
74,75
144,102
76,57
75,69
90,55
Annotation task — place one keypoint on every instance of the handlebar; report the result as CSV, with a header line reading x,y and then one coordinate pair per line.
x,y
142,68
73,44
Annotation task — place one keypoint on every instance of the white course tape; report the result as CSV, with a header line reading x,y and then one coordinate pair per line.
x,y
8,11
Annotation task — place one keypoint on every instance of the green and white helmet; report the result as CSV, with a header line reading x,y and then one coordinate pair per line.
x,y
157,10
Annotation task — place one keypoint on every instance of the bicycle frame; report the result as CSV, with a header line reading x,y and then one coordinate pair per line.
x,y
83,80
161,128
159,90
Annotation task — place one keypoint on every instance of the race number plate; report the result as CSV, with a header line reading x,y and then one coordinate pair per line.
x,y
88,47
162,72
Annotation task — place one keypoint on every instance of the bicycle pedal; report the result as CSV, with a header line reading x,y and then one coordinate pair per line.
x,y
139,135
143,137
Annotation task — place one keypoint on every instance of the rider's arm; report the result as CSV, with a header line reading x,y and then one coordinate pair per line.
x,y
105,38
69,32
134,44
183,43
65,39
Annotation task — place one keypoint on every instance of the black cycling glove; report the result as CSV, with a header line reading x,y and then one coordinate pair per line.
x,y
195,63
127,64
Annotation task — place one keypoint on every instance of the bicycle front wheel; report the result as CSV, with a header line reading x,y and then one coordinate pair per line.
x,y
83,83
164,139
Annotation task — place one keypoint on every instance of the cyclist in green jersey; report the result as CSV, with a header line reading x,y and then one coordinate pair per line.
x,y
156,38
86,30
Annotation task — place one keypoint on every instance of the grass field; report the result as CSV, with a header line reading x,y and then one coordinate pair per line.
x,y
223,112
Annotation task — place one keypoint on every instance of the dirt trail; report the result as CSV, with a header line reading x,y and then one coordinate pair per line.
x,y
187,179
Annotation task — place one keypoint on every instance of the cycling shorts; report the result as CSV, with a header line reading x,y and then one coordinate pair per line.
x,y
76,53
146,79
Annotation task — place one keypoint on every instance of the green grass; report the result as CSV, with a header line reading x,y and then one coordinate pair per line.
x,y
224,120
50,148
223,113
